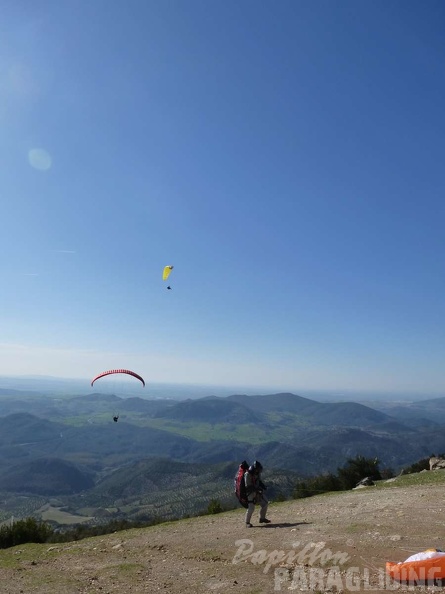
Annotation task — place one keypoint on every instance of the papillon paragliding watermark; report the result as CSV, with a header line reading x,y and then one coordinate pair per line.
x,y
312,567
309,554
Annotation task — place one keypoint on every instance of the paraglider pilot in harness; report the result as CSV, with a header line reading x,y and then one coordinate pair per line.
x,y
255,493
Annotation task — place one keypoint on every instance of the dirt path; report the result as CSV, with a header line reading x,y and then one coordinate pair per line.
x,y
332,543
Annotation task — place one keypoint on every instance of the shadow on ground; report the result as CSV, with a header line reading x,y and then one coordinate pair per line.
x,y
285,524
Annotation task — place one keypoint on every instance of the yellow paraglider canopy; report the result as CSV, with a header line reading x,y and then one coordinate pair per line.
x,y
166,272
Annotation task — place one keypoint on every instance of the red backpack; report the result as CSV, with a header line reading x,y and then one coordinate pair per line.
x,y
240,486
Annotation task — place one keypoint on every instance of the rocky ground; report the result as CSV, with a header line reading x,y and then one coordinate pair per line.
x,y
330,543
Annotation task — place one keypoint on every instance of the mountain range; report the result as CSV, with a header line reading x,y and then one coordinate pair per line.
x,y
70,447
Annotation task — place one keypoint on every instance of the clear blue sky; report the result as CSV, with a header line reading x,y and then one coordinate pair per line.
x,y
286,157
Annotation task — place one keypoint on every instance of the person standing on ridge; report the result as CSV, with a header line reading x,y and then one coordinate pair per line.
x,y
255,493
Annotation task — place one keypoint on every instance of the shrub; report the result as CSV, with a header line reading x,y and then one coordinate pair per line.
x,y
349,475
423,464
316,485
214,507
387,473
81,531
23,531
279,497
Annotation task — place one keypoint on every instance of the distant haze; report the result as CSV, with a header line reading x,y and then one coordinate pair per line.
x,y
74,386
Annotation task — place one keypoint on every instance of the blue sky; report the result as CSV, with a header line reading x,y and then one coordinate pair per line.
x,y
286,157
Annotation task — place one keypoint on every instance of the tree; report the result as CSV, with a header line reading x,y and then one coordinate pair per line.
x,y
357,469
23,531
324,483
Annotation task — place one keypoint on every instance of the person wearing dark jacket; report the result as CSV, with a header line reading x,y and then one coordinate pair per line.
x,y
255,493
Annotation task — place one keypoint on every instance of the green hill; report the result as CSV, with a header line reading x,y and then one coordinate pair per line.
x,y
211,410
46,476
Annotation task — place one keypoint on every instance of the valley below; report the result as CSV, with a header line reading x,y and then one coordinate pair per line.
x,y
64,460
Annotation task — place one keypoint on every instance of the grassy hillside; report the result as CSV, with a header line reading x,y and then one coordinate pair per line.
x,y
341,538
162,488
